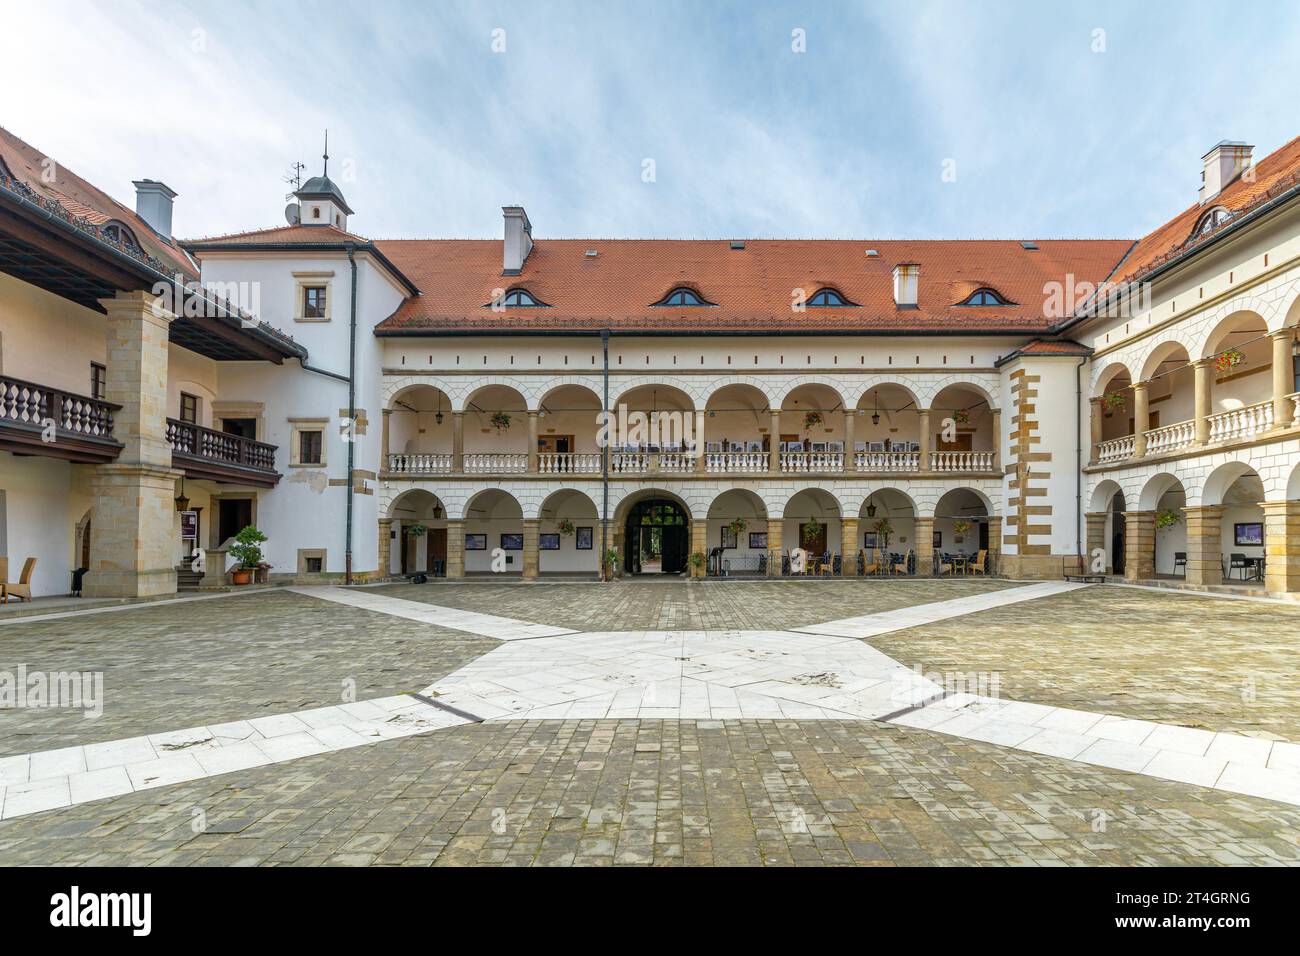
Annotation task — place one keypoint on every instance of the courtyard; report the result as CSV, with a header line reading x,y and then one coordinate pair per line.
x,y
907,722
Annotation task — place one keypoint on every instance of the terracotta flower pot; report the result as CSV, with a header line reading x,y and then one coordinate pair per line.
x,y
242,576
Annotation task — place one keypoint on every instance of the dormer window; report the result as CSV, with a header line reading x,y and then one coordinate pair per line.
x,y
119,233
829,298
682,296
984,297
521,299
1210,221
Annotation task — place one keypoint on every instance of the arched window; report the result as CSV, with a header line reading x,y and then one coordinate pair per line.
x,y
117,232
828,298
683,296
1211,221
984,297
520,299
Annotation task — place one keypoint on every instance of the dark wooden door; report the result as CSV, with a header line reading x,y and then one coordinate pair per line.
x,y
437,549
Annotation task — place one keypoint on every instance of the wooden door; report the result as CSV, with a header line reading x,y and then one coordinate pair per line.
x,y
437,549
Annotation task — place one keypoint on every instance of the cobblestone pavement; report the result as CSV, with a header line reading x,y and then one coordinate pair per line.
x,y
1219,664
172,666
667,792
696,605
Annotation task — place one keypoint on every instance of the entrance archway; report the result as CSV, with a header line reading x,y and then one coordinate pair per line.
x,y
656,537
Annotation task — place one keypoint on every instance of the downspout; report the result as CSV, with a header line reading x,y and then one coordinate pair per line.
x,y
352,411
1078,463
604,462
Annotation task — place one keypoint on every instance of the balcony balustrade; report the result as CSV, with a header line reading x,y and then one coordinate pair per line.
x,y
961,461
1170,437
433,463
219,456
495,463
1241,422
736,462
803,462
568,463
38,420
1116,449
887,461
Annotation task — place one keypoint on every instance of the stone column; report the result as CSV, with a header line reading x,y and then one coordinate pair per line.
x,y
532,442
1281,546
1095,522
1283,377
383,442
925,546
1139,545
1098,412
455,549
134,515
995,544
923,414
458,443
700,543
850,419
775,527
531,529
1202,401
385,541
1204,547
1141,419
849,547
997,439
774,453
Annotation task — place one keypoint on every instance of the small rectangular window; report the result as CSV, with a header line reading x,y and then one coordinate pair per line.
x,y
98,381
313,302
189,408
313,565
309,447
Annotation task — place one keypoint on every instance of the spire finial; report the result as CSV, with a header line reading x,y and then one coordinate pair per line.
x,y
326,170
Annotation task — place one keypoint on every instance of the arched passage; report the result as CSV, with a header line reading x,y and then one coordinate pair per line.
x,y
961,528
1156,537
1171,397
567,425
811,520
737,429
887,425
418,534
493,519
1237,489
887,523
736,539
421,427
1241,374
568,534
812,429
1106,525
653,528
496,423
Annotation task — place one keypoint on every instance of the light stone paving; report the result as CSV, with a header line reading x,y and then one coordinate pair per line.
x,y
822,672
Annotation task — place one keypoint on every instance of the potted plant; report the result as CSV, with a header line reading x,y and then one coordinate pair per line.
x,y
959,528
697,563
500,421
247,551
1167,518
416,530
611,563
811,420
1227,361
566,528
961,416
884,531
811,531
1114,401
737,527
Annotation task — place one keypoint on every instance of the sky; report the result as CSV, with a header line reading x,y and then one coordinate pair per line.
x,y
695,119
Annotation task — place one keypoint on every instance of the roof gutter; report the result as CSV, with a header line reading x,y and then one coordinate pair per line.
x,y
697,333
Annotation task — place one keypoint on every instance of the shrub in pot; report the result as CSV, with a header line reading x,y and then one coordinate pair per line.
x,y
248,552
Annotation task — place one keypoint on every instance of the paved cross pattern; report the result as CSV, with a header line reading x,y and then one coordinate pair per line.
x,y
819,672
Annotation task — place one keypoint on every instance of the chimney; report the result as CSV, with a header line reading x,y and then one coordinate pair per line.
x,y
153,204
1224,163
519,240
906,280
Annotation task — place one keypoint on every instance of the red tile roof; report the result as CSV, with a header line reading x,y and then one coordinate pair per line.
x,y
278,236
1273,175
752,287
27,164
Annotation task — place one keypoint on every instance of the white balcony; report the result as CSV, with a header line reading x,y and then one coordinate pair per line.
x,y
887,460
1170,437
420,464
961,461
736,462
1241,422
568,463
651,462
496,464
801,462
1116,449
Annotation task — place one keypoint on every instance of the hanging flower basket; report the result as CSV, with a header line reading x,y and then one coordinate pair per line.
x,y
812,530
811,420
1168,518
417,530
565,527
961,417
1227,361
500,421
738,526
884,530
1114,401
959,528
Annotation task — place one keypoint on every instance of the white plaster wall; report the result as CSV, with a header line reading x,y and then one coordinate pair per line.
x,y
38,500
47,339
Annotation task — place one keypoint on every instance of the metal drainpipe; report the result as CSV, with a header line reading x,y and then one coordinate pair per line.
x,y
352,411
1078,462
604,462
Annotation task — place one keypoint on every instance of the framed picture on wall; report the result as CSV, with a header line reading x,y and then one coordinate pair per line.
x,y
870,540
548,542
1248,534
583,538
512,542
475,542
728,537
938,539
758,539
